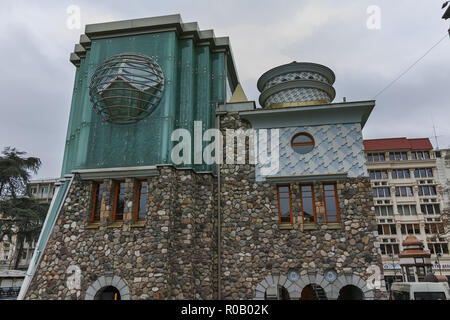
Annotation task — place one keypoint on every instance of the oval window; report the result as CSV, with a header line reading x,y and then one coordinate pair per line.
x,y
302,143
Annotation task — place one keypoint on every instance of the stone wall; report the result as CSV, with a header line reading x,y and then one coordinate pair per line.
x,y
168,256
254,245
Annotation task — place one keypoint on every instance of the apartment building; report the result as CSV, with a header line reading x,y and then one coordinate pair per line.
x,y
408,200
42,189
11,278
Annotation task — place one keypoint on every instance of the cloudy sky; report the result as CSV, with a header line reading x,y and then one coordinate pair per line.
x,y
37,79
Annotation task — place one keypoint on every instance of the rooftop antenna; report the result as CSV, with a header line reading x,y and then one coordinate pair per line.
x,y
435,137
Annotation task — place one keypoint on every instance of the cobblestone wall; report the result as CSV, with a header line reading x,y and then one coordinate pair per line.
x,y
166,257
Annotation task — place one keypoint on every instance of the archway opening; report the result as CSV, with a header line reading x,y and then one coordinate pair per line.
x,y
313,292
108,293
350,292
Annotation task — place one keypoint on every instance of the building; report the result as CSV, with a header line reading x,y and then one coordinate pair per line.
x,y
11,278
42,189
130,221
409,200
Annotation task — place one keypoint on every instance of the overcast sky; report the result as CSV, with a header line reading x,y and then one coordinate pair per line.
x,y
37,78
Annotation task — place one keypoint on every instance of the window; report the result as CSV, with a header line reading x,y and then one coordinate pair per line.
x,y
302,143
141,201
420,155
434,228
376,157
381,192
378,174
427,190
307,203
404,192
410,229
398,156
389,249
400,174
436,248
284,204
430,208
331,203
383,211
6,249
119,201
423,173
387,229
407,209
97,201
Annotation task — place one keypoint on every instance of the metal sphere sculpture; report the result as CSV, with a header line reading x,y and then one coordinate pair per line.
x,y
126,88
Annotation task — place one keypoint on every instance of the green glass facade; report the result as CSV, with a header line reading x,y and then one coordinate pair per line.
x,y
195,82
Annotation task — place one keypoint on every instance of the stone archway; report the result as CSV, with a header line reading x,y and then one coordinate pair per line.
x,y
108,281
354,281
350,292
271,281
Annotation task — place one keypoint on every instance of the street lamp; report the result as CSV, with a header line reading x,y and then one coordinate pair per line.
x,y
438,255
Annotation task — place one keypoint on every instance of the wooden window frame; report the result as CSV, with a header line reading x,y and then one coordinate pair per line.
x,y
94,201
313,202
338,216
138,198
116,194
300,144
290,203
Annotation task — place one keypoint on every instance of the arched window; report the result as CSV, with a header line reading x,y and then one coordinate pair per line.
x,y
302,143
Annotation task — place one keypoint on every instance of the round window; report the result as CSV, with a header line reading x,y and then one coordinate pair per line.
x,y
302,143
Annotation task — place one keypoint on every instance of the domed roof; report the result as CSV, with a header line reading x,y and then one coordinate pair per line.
x,y
296,83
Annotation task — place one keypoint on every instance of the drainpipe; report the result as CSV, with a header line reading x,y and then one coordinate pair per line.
x,y
219,238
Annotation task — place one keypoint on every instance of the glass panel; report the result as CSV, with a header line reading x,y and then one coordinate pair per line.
x,y
303,149
98,201
422,173
413,210
120,202
437,208
382,158
433,190
330,203
308,207
302,139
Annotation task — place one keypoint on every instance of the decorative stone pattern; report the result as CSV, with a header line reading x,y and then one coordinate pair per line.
x,y
295,288
297,95
295,76
338,149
